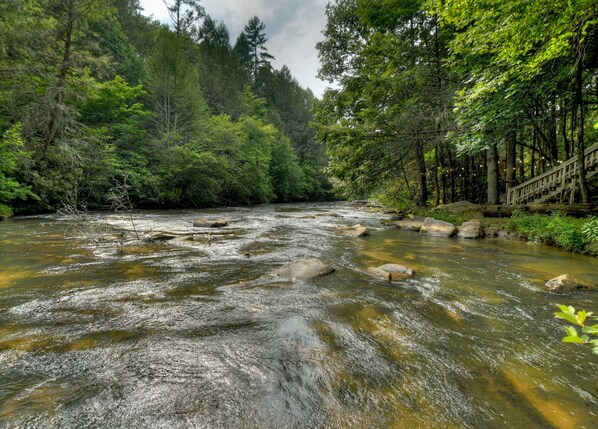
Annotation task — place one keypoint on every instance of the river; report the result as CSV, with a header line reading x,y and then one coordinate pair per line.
x,y
103,334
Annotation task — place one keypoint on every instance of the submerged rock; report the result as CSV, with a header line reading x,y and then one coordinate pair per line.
x,y
565,284
328,214
355,231
162,236
391,272
471,229
304,269
210,223
438,228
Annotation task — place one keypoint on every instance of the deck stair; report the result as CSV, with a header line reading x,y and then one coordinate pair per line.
x,y
556,184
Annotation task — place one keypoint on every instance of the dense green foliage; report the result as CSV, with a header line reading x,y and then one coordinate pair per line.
x,y
576,235
578,320
443,101
94,95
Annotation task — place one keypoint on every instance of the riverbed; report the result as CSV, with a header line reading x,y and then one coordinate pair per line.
x,y
101,330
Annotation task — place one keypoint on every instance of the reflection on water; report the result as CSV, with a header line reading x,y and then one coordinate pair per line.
x,y
119,334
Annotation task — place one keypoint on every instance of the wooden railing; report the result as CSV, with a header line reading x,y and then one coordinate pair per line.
x,y
555,183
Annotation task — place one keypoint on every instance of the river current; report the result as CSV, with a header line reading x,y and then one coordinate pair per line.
x,y
101,331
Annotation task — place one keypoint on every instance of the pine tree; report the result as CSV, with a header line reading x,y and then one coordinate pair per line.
x,y
251,48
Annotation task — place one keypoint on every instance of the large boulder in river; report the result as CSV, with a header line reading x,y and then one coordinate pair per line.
x,y
304,269
438,228
565,284
355,231
210,223
391,272
471,229
410,224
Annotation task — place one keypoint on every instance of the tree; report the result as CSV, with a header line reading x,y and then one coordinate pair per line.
x,y
185,14
251,48
520,54
11,152
395,96
180,114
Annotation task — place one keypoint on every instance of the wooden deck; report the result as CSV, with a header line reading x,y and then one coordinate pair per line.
x,y
557,184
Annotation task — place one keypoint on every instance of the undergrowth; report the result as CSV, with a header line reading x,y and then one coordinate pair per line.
x,y
5,211
575,235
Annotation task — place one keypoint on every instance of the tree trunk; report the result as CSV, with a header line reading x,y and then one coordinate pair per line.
x,y
436,181
492,163
511,161
65,66
582,176
421,167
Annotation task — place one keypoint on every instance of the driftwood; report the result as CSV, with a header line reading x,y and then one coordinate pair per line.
x,y
574,210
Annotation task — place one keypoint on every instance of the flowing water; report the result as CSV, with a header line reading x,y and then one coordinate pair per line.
x,y
109,334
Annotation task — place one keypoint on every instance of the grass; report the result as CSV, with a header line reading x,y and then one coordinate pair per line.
x,y
575,235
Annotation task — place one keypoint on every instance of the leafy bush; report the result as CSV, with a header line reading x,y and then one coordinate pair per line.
x,y
5,211
589,334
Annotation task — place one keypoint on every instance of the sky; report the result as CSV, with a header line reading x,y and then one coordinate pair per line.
x,y
293,28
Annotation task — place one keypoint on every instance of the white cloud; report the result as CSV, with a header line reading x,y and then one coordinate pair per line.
x,y
293,28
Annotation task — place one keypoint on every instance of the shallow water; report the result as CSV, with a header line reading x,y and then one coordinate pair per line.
x,y
97,333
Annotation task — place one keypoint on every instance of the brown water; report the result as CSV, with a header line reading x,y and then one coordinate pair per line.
x,y
99,334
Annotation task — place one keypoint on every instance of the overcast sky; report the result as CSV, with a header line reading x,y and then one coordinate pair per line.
x,y
293,28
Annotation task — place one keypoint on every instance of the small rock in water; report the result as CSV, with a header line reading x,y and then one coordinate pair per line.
x,y
472,229
391,272
438,228
210,223
564,284
355,231
307,217
304,269
162,236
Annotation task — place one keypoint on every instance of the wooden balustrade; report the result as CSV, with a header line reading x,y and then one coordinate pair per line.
x,y
557,183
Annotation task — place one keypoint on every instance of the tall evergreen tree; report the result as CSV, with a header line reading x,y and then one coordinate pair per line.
x,y
251,48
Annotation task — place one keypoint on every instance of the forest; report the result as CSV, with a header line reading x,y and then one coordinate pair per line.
x,y
433,102
441,101
102,106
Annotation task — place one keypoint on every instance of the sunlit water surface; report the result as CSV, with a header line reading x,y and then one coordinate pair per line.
x,y
102,334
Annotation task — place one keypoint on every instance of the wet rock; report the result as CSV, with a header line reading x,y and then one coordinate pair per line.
x,y
505,234
183,238
490,231
438,228
210,223
328,214
565,284
410,225
304,269
391,272
355,231
471,229
162,236
307,217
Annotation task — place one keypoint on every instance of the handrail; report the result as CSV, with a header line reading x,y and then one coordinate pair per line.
x,y
554,172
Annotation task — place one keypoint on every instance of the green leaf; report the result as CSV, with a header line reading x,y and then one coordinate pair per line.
x,y
571,331
574,339
581,317
566,309
590,330
568,317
